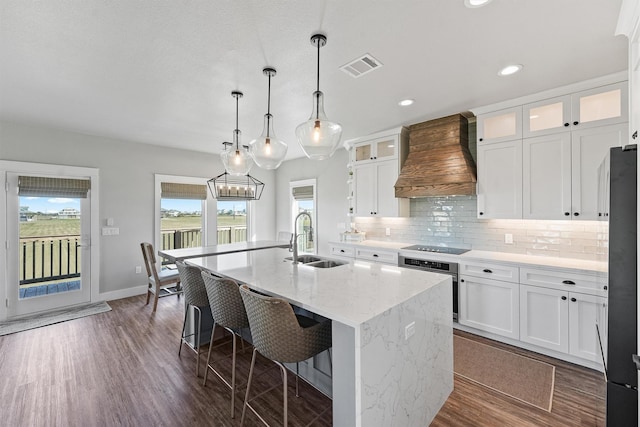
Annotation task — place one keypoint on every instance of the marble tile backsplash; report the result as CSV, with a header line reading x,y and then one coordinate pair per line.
x,y
452,221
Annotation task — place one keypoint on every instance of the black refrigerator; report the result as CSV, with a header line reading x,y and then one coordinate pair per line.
x,y
621,371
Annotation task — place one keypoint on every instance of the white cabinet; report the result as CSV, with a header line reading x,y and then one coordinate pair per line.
x,y
560,172
381,148
540,160
337,250
375,163
497,126
546,177
561,321
377,255
500,180
547,117
488,304
544,315
588,149
375,192
599,106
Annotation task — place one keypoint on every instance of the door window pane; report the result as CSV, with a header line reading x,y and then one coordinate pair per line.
x,y
304,227
49,247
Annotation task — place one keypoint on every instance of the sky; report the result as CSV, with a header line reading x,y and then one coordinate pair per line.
x,y
49,204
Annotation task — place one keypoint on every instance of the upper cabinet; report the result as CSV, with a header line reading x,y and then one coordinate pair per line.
x,y
586,109
384,148
539,160
498,126
375,164
629,25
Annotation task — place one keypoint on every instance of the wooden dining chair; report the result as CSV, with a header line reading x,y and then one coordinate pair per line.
x,y
161,283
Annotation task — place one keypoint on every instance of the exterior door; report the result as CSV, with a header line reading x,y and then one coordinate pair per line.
x,y
49,242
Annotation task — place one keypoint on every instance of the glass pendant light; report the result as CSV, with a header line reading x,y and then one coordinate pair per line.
x,y
268,151
236,161
319,137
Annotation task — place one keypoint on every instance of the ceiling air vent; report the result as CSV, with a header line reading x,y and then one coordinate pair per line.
x,y
361,66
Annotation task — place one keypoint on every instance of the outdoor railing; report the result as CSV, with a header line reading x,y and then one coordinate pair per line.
x,y
44,259
49,258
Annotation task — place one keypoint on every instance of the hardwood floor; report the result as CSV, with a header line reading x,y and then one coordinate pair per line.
x,y
122,368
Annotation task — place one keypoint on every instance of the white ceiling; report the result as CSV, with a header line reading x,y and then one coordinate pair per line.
x,y
162,72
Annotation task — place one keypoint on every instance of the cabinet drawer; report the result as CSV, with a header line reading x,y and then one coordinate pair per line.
x,y
490,271
342,251
375,255
566,281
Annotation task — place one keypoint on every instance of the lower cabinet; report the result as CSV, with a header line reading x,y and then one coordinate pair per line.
x,y
562,321
489,305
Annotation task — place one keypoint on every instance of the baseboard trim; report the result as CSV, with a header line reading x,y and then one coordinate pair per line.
x,y
122,293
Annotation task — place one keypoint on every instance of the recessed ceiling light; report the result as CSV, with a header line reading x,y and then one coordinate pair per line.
x,y
475,3
406,102
510,69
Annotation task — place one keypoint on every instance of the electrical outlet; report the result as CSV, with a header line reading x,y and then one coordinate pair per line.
x,y
387,231
409,330
508,238
138,269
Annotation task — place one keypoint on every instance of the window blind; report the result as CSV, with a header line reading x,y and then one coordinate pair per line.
x,y
303,193
41,186
173,190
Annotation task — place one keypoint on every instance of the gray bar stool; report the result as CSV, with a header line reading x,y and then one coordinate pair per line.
x,y
282,336
228,311
195,295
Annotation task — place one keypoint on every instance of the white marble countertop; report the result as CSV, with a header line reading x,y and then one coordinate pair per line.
x,y
352,293
200,251
584,266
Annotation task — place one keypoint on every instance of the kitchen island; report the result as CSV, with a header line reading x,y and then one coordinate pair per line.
x,y
391,327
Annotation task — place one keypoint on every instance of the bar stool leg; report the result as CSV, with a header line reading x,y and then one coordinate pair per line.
x,y
197,343
284,391
206,371
246,395
233,378
184,324
297,375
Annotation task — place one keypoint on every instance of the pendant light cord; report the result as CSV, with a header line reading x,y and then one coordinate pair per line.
x,y
318,82
269,105
235,133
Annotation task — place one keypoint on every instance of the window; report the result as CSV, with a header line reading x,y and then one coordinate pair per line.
x,y
181,215
303,199
232,221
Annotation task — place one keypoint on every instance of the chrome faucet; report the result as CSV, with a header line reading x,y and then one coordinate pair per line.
x,y
296,235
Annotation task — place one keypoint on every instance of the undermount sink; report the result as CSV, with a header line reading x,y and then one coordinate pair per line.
x,y
314,261
326,263
304,259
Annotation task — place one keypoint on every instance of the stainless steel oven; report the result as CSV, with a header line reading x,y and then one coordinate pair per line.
x,y
421,262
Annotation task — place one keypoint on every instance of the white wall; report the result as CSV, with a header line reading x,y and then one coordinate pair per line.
x,y
331,187
126,189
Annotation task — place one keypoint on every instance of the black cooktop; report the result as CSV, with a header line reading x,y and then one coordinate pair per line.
x,y
436,249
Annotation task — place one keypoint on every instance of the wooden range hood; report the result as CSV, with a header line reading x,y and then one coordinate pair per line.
x,y
439,162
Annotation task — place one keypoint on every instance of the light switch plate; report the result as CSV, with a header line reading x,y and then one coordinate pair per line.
x,y
508,238
409,330
387,231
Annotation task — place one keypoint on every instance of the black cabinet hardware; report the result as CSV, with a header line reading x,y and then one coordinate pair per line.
x,y
635,135
342,250
566,124
375,255
576,213
606,287
462,280
486,270
567,214
481,213
568,282
564,298
573,300
480,139
576,123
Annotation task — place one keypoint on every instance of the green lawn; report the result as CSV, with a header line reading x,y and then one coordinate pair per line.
x,y
50,227
189,222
